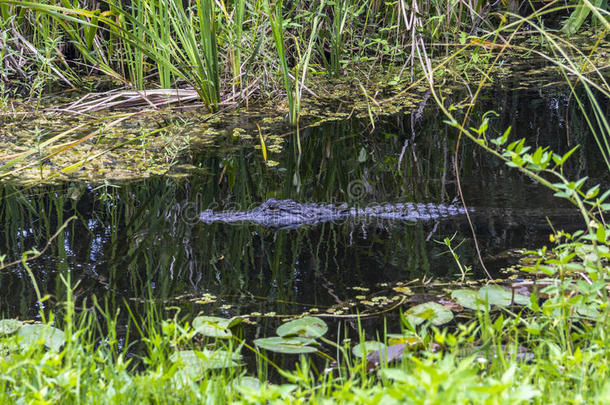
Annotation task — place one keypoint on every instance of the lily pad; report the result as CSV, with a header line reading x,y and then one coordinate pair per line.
x,y
9,326
434,311
196,362
293,345
369,346
308,326
248,383
469,299
213,326
502,297
52,338
411,341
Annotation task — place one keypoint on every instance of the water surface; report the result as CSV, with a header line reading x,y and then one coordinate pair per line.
x,y
134,241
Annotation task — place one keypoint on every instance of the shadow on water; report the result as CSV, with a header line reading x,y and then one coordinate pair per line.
x,y
143,239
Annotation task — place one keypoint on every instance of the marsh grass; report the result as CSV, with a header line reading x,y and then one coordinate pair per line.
x,y
222,49
276,21
563,332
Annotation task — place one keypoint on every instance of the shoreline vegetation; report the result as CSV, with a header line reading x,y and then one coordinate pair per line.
x,y
543,339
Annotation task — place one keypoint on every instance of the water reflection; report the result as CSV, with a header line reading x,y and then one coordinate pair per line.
x,y
143,239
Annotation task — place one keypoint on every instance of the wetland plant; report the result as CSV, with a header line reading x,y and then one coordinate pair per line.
x,y
229,52
544,340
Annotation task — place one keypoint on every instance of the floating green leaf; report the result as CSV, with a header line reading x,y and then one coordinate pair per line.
x,y
293,345
469,299
368,346
248,384
9,326
502,297
52,338
195,362
306,327
429,310
213,326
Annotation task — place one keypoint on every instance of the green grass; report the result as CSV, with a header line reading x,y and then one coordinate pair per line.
x,y
230,51
475,362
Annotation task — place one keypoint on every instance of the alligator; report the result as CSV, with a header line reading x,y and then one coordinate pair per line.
x,y
289,214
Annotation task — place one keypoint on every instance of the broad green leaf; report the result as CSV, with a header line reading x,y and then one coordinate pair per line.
x,y
9,326
588,311
247,382
213,326
468,299
306,327
502,297
368,346
52,338
195,362
592,192
604,196
434,311
294,345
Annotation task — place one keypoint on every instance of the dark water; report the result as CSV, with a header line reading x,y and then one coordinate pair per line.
x,y
142,240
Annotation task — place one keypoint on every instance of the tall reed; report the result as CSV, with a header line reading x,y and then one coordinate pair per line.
x,y
196,51
276,20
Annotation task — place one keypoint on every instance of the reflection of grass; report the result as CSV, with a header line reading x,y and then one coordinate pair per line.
x,y
505,355
501,355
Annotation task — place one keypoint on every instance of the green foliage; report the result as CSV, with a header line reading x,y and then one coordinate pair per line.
x,y
291,345
227,52
213,326
52,338
436,313
497,355
295,337
579,15
276,20
306,327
